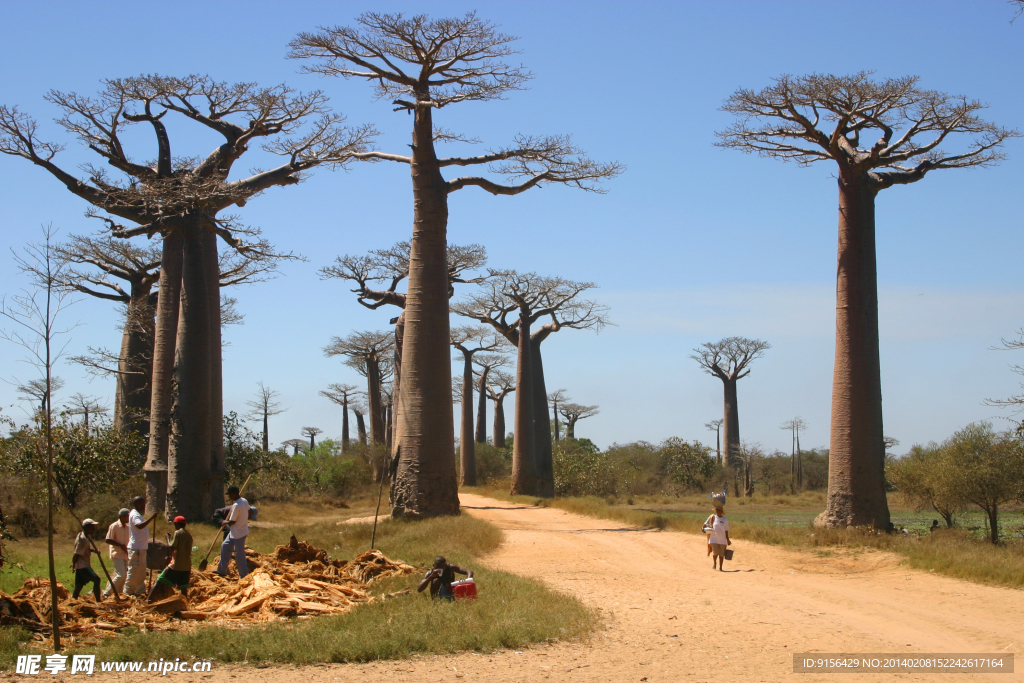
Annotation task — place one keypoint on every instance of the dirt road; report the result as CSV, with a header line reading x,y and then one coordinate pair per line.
x,y
669,617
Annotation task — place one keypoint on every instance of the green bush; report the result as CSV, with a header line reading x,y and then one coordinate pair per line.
x,y
492,463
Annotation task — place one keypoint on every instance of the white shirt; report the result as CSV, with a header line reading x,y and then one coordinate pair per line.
x,y
138,539
721,526
240,515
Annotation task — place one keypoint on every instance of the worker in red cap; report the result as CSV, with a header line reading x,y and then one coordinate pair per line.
x,y
179,570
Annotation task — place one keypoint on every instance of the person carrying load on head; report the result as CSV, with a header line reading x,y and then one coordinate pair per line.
x,y
179,571
138,545
117,538
237,525
718,539
440,579
81,562
716,499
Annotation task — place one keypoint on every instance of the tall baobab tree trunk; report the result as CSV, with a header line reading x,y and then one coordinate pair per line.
x,y
467,446
425,483
799,465
266,432
344,428
541,426
134,390
481,406
188,457
570,429
164,344
360,427
376,407
499,423
217,468
731,424
856,486
524,463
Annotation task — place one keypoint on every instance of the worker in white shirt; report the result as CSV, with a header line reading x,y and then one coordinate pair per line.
x,y
138,544
237,525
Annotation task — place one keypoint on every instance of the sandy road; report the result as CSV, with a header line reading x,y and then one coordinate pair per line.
x,y
669,617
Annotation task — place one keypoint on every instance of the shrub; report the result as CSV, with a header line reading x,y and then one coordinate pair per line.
x,y
581,469
492,463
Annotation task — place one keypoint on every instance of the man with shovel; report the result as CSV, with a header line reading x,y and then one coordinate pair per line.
x,y
237,525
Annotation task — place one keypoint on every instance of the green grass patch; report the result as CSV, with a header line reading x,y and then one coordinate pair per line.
x,y
511,611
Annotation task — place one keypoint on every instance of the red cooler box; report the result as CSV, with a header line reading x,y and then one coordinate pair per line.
x,y
466,588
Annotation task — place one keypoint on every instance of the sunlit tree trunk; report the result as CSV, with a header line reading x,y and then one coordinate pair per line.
x,y
376,406
425,483
731,424
164,343
856,487
467,446
189,453
217,469
481,406
524,463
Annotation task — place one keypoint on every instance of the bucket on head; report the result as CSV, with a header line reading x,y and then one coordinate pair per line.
x,y
466,588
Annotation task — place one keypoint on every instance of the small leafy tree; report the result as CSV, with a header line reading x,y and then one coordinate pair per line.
x,y
988,469
689,465
925,478
85,459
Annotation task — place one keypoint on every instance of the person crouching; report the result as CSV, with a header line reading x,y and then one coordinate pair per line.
x,y
179,571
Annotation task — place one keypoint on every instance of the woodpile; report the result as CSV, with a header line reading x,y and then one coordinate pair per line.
x,y
296,580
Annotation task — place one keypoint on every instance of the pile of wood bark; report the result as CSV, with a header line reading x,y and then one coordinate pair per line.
x,y
296,580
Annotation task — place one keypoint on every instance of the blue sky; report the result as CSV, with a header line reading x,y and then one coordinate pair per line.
x,y
691,244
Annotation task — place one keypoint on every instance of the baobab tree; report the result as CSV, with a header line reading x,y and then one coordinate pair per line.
x,y
296,444
500,385
573,413
823,117
716,427
531,298
342,394
80,404
368,351
107,261
487,362
423,65
139,269
555,398
796,465
181,198
311,432
391,266
729,360
359,410
263,407
38,391
470,341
